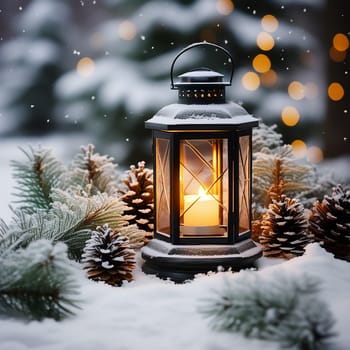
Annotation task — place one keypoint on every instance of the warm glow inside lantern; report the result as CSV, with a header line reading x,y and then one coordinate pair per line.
x,y
202,159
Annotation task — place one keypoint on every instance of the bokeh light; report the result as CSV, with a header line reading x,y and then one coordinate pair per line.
x,y
314,154
311,91
299,148
335,91
127,30
85,67
290,116
296,90
224,7
261,63
269,79
265,41
250,81
340,42
337,56
269,23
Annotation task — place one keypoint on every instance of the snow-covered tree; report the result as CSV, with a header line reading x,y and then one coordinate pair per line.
x,y
126,79
30,63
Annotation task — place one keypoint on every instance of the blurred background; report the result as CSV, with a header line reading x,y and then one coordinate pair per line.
x,y
95,70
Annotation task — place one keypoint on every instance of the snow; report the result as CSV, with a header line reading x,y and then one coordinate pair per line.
x,y
150,313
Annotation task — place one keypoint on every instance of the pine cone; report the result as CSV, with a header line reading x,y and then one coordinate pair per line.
x,y
256,230
138,195
284,228
330,222
108,257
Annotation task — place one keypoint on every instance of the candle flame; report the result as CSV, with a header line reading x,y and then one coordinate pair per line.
x,y
201,191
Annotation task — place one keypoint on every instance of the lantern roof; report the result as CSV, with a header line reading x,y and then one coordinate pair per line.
x,y
201,76
224,116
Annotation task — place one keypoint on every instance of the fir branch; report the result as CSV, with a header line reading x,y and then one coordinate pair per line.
x,y
77,216
37,282
283,308
277,173
36,177
11,238
70,220
266,138
92,172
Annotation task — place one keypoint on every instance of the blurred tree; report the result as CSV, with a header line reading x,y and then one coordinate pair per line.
x,y
30,64
125,80
122,54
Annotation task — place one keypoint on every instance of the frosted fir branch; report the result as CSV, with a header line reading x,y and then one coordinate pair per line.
x,y
37,282
70,220
276,173
322,182
94,211
36,177
12,237
266,138
92,172
284,308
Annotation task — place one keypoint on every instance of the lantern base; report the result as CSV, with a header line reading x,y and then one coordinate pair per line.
x,y
182,262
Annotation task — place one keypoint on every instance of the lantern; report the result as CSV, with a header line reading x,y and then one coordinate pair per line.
x,y
202,150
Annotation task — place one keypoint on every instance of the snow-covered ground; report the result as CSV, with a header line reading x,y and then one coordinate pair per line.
x,y
149,313
152,314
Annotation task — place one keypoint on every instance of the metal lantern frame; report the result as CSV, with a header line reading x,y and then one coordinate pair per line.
x,y
184,134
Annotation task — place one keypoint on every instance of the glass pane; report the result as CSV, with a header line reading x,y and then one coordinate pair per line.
x,y
203,188
163,186
244,184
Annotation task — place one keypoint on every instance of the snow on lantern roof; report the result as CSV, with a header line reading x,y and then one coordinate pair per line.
x,y
225,116
201,76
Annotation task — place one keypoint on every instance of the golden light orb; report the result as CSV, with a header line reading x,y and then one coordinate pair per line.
x,y
269,23
127,30
250,81
265,41
296,90
335,55
299,148
314,154
224,7
340,42
335,91
269,78
261,63
290,116
85,67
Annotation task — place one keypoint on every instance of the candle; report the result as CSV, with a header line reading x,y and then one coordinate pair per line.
x,y
205,212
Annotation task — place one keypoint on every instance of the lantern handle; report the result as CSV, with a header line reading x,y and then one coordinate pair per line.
x,y
202,43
